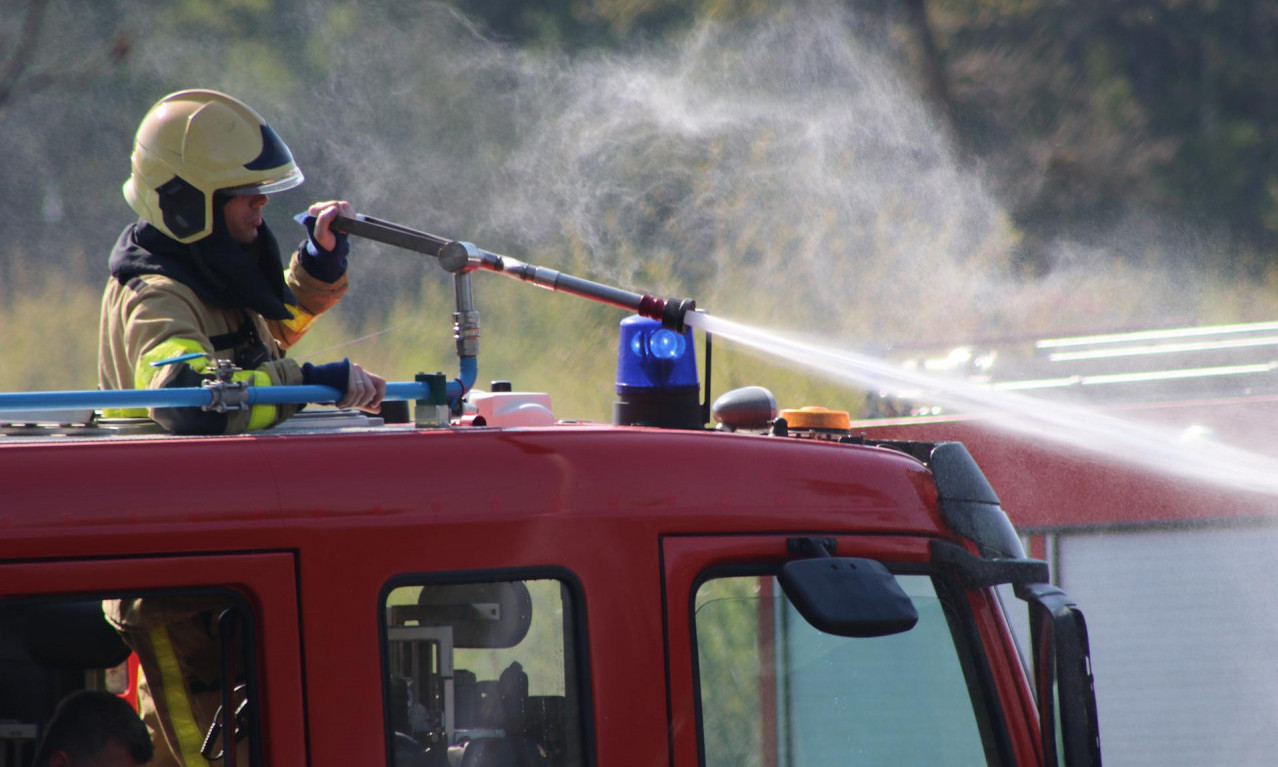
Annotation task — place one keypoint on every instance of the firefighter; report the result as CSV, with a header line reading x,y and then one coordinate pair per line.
x,y
179,646
200,271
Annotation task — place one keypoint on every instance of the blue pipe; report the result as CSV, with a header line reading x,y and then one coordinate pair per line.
x,y
466,381
199,397
124,398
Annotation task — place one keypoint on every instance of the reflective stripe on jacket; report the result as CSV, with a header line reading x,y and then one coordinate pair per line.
x,y
153,317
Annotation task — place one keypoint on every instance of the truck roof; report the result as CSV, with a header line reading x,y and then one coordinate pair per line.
x,y
267,485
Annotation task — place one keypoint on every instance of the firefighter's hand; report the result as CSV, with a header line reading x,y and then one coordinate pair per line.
x,y
364,390
358,388
324,213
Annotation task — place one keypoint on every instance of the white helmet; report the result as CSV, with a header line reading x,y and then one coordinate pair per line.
x,y
197,142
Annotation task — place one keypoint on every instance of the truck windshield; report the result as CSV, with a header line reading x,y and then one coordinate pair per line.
x,y
775,692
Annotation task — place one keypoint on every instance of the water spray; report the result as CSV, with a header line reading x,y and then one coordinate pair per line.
x,y
1057,422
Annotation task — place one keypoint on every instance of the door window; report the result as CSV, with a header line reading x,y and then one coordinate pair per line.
x,y
773,690
181,658
483,673
196,629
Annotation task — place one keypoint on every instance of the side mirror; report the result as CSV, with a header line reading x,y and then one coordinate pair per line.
x,y
847,596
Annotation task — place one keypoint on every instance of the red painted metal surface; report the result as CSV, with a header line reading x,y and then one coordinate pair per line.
x,y
268,487
343,514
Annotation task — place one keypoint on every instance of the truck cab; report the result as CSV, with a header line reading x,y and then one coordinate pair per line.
x,y
571,594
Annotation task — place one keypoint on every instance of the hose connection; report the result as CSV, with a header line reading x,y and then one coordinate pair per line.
x,y
460,257
466,318
668,311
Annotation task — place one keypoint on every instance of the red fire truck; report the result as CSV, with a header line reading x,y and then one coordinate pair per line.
x,y
489,584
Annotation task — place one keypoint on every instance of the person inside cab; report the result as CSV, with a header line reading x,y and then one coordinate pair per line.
x,y
200,273
184,645
91,728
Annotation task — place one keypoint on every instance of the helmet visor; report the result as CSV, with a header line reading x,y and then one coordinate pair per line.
x,y
268,186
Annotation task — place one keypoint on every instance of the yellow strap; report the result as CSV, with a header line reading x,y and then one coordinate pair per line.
x,y
176,704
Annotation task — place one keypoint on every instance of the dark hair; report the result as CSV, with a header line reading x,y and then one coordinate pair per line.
x,y
85,722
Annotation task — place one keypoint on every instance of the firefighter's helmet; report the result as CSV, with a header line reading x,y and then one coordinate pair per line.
x,y
194,143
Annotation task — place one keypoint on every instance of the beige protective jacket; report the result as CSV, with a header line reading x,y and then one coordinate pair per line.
x,y
179,647
152,318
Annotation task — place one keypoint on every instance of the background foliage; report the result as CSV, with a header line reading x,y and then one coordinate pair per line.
x,y
879,173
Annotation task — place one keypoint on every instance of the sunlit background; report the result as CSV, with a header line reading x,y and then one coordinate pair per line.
x,y
888,178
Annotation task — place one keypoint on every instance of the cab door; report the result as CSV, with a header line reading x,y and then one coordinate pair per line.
x,y
753,682
54,639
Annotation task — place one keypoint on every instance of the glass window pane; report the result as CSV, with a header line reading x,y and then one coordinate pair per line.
x,y
775,691
483,671
165,653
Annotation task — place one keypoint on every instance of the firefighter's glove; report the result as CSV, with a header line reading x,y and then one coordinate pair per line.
x,y
359,389
332,374
327,265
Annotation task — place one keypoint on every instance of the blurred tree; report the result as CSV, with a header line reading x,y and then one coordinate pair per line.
x,y
678,143
935,79
24,71
58,64
571,24
1089,112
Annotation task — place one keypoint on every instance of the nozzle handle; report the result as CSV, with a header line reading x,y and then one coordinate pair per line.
x,y
390,234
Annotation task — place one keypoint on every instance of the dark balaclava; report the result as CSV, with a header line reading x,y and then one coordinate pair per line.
x,y
219,269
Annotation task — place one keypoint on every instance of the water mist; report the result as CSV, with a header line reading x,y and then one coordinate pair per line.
x,y
781,169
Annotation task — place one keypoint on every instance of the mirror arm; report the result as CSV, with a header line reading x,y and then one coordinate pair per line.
x,y
974,572
811,548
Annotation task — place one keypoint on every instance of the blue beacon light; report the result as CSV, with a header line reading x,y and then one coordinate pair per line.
x,y
657,383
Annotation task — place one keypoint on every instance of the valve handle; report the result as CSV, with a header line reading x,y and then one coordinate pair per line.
x,y
223,369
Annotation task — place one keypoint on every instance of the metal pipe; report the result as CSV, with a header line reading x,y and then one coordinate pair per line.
x,y
463,257
466,318
670,312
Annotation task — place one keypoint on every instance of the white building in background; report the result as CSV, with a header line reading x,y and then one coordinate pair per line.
x,y
1167,534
